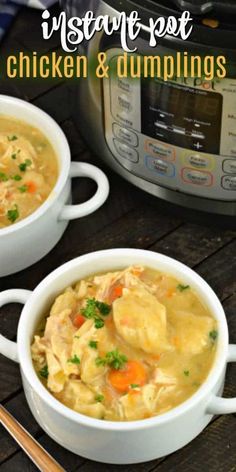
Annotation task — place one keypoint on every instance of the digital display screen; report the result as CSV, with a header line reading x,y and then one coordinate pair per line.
x,y
183,116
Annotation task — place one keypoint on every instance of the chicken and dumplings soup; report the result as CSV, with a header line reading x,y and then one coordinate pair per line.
x,y
28,170
125,345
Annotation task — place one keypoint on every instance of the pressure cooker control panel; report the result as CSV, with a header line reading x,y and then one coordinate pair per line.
x,y
181,136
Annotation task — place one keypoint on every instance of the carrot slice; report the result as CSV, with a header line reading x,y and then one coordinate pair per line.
x,y
78,320
31,187
116,292
133,373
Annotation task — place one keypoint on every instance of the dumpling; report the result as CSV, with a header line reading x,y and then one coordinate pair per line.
x,y
192,331
141,320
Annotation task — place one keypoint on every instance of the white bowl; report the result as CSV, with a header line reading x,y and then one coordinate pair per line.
x,y
27,241
106,441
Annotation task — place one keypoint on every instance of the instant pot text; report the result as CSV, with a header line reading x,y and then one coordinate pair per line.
x,y
75,30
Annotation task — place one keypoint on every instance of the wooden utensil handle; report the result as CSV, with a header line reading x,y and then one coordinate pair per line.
x,y
32,448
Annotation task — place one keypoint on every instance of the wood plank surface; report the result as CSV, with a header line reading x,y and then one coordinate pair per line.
x,y
18,407
129,218
214,450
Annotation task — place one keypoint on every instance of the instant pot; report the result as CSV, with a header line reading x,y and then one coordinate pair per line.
x,y
174,139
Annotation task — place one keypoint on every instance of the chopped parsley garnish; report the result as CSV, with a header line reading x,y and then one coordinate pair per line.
x,y
23,166
74,360
181,287
23,188
12,138
213,335
104,308
94,309
16,177
100,361
99,398
134,385
76,337
98,323
3,177
44,372
90,310
13,214
93,344
14,154
186,373
113,359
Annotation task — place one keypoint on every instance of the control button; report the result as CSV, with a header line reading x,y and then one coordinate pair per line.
x,y
198,135
125,134
199,161
125,85
124,118
229,166
229,182
123,97
126,152
161,125
198,146
161,167
196,177
124,103
179,130
160,150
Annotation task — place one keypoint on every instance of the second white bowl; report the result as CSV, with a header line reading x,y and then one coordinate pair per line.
x,y
27,241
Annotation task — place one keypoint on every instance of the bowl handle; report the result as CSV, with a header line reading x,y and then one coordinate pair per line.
x,y
82,169
218,405
9,348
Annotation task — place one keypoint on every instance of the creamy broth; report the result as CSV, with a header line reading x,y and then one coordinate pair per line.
x,y
28,170
125,345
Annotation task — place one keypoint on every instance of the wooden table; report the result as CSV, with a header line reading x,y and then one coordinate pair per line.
x,y
129,218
